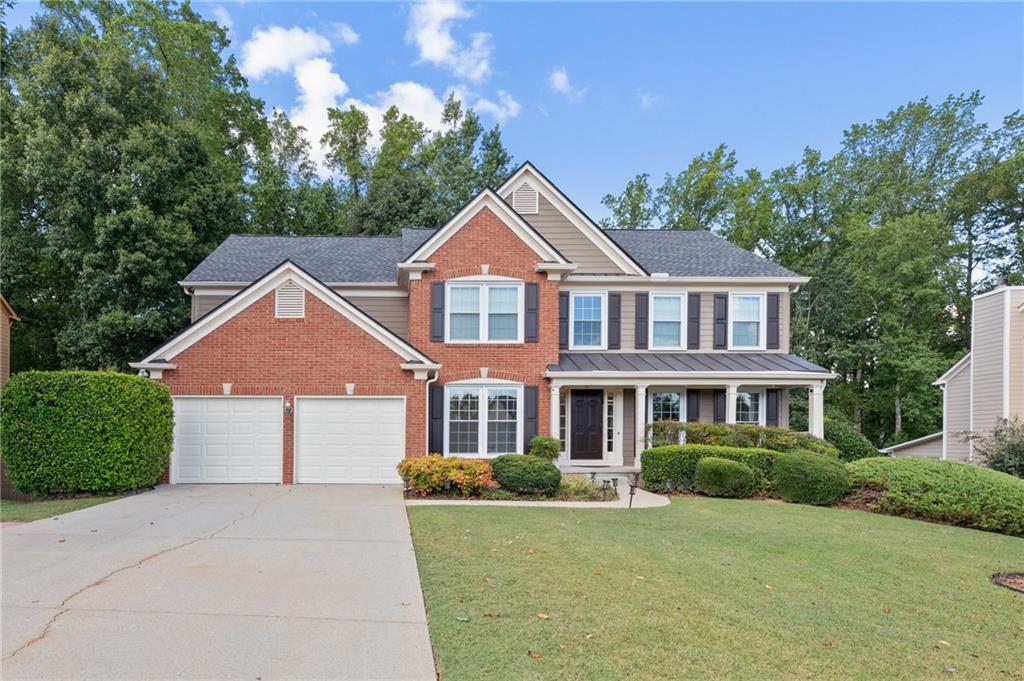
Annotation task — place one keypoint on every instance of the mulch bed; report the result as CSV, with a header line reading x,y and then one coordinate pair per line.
x,y
1010,580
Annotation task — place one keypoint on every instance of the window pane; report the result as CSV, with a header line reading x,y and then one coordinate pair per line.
x,y
502,420
562,416
464,298
586,333
587,308
464,315
748,408
666,407
666,334
746,334
586,328
503,299
666,309
746,308
610,425
464,326
502,327
464,422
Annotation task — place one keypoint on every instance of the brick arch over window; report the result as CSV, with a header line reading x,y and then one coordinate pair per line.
x,y
496,374
493,270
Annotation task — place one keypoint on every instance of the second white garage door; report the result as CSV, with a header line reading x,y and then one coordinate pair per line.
x,y
349,439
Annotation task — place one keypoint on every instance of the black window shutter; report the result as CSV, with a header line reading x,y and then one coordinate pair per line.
x,y
530,411
614,321
719,406
721,321
771,399
436,435
693,406
437,311
532,313
640,332
563,320
693,321
773,321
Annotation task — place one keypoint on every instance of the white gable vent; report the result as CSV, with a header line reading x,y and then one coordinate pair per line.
x,y
524,200
290,300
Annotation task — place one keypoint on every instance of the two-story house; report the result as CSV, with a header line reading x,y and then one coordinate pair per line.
x,y
329,359
987,384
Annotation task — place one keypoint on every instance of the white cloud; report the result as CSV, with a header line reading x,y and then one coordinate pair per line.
x,y
280,49
430,29
345,33
220,13
504,109
647,100
558,80
319,89
414,99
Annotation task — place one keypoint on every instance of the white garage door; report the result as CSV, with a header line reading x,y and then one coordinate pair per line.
x,y
227,439
349,439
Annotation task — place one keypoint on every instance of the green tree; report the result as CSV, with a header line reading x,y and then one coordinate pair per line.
x,y
632,209
698,197
346,141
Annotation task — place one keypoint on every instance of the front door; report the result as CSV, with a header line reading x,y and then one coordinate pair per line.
x,y
585,419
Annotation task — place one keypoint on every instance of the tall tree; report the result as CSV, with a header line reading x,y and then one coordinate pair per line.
x,y
346,142
632,209
698,197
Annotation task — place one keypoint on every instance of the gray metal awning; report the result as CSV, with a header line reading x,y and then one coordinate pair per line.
x,y
627,363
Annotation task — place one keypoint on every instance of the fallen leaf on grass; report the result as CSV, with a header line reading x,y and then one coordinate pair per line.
x,y
945,643
492,614
534,654
530,552
949,670
543,616
597,573
589,636
887,610
640,578
768,586
461,619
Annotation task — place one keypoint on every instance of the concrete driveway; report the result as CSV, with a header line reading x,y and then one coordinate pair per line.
x,y
218,582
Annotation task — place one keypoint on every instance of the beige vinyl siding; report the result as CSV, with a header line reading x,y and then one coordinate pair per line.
x,y
627,330
1016,353
202,304
929,449
987,361
957,419
784,312
569,240
707,406
707,322
784,408
391,311
628,427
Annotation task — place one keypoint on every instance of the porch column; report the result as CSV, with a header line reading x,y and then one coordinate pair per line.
x,y
730,402
640,413
555,413
816,409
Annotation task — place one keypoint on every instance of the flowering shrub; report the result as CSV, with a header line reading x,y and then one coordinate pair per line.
x,y
428,474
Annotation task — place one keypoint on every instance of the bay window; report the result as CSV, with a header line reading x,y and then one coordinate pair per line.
x,y
587,315
748,408
484,313
747,324
667,315
483,419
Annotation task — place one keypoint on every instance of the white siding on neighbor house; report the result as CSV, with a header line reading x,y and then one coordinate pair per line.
x,y
957,417
568,239
927,449
1017,352
987,360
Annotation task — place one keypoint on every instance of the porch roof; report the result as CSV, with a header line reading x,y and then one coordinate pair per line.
x,y
628,363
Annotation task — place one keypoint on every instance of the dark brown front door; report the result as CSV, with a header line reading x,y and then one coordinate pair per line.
x,y
585,422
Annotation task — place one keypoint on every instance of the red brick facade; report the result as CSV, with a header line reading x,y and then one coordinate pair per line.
x,y
487,240
260,354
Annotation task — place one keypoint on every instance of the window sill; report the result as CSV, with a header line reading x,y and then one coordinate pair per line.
x,y
485,344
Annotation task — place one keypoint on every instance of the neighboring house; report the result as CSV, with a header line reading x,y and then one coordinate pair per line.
x,y
7,317
985,385
328,359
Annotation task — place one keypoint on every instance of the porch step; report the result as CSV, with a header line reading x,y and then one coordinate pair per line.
x,y
619,474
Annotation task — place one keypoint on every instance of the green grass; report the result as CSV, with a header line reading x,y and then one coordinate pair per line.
x,y
715,588
27,511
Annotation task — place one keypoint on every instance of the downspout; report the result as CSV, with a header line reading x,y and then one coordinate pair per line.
x,y
426,412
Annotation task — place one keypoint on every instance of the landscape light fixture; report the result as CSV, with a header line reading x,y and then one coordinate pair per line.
x,y
632,492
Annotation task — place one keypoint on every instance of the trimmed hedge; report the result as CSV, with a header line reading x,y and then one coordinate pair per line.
x,y
719,477
429,474
852,446
549,448
749,435
65,432
678,463
809,478
942,491
526,474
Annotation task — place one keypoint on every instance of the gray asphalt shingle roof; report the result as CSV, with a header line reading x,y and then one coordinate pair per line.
x,y
693,253
639,362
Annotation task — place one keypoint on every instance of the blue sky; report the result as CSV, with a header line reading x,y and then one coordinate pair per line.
x,y
595,93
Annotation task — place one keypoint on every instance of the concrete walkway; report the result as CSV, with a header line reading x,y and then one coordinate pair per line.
x,y
218,582
643,499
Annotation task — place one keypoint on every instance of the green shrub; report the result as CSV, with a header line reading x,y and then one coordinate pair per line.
x,y
809,478
750,435
719,477
526,474
841,434
1003,449
943,491
548,448
434,473
64,432
678,463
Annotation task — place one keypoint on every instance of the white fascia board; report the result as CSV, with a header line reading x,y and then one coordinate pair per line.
x,y
945,378
556,197
487,199
784,283
265,285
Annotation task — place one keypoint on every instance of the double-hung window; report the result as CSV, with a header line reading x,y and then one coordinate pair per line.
x,y
748,407
747,321
587,312
667,406
484,420
668,313
485,313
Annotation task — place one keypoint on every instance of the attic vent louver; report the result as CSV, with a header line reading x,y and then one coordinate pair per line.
x,y
290,300
524,200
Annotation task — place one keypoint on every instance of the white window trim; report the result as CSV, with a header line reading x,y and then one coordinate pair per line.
x,y
683,302
482,389
762,409
762,327
604,320
483,285
651,391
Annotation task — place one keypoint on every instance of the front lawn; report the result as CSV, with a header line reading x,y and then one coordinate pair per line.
x,y
715,588
27,511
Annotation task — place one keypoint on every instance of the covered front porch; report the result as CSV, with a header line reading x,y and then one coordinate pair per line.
x,y
601,416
